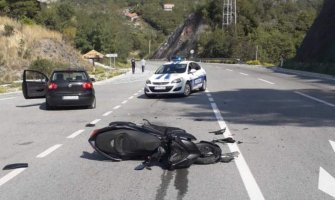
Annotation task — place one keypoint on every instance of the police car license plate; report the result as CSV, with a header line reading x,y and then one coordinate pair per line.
x,y
70,97
160,88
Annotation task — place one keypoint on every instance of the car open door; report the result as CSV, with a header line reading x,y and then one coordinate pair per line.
x,y
34,85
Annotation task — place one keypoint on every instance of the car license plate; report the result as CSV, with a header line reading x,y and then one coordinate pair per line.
x,y
160,88
70,97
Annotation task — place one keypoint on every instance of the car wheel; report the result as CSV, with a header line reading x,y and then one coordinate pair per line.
x,y
204,85
93,105
187,89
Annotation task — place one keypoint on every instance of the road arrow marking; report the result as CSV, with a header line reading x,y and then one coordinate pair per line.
x,y
333,144
326,182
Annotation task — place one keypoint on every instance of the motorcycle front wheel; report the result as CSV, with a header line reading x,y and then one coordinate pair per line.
x,y
210,153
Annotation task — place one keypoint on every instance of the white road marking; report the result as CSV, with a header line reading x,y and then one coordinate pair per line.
x,y
326,182
131,97
229,70
7,98
332,144
48,151
135,94
315,99
244,74
140,91
125,101
75,134
116,107
209,95
11,175
95,121
211,99
107,113
248,179
266,81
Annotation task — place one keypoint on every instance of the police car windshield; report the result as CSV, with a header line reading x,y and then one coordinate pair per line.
x,y
171,68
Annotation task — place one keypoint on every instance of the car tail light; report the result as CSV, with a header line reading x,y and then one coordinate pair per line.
x,y
94,133
87,85
52,86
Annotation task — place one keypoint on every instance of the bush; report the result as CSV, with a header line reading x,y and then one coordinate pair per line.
x,y
2,89
9,30
253,62
46,66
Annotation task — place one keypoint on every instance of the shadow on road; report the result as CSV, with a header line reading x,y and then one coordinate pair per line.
x,y
266,107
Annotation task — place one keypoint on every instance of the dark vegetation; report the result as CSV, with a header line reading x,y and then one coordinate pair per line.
x,y
276,28
317,52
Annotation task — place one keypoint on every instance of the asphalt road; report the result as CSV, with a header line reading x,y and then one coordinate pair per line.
x,y
286,124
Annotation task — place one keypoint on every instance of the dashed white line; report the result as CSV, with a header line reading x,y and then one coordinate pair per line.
x,y
315,99
209,95
229,70
266,81
124,102
11,175
7,98
75,134
131,97
48,151
107,113
244,74
135,94
116,107
210,99
248,179
95,121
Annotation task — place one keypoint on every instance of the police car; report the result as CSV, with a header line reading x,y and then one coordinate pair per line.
x,y
176,77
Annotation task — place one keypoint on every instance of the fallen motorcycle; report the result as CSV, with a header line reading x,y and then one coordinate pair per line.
x,y
171,147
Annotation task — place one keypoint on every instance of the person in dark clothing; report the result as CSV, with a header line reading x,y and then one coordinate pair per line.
x,y
133,65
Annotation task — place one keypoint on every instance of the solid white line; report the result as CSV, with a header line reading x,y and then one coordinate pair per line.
x,y
107,113
332,144
229,70
7,98
266,81
326,182
248,179
11,175
75,134
95,121
116,107
244,74
48,151
125,101
316,99
131,97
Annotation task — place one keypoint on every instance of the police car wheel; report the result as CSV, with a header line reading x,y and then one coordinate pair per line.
x,y
204,85
187,89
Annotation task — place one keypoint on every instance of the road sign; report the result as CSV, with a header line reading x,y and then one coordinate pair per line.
x,y
111,55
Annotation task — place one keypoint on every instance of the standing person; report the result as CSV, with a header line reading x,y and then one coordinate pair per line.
x,y
133,65
143,64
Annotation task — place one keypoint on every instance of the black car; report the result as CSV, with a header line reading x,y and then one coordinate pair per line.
x,y
70,87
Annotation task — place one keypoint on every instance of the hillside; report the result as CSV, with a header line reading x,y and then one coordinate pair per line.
x,y
23,44
318,47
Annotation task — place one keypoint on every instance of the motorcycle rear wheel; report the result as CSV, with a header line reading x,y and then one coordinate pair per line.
x,y
210,153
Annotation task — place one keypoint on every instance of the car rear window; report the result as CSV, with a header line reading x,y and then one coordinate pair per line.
x,y
69,76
